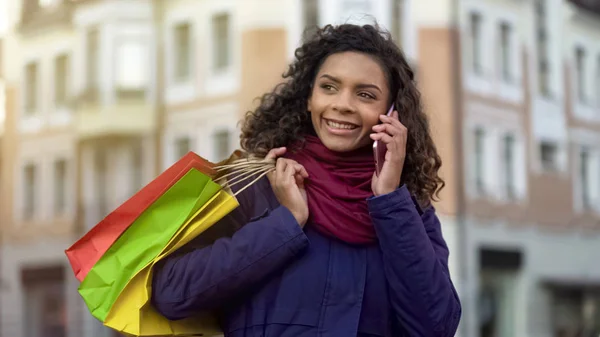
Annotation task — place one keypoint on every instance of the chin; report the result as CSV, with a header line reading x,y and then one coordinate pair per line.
x,y
340,145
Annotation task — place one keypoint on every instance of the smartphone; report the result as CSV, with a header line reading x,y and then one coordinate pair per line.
x,y
379,149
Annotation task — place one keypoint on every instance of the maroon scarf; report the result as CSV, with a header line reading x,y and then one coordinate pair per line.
x,y
337,188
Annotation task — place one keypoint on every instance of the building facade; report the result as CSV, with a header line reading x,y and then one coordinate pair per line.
x,y
38,150
531,206
100,96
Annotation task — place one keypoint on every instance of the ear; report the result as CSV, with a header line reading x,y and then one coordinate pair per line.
x,y
309,104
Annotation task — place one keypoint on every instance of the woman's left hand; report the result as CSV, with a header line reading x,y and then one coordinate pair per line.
x,y
393,134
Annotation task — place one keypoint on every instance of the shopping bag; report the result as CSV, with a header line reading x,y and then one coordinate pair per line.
x,y
144,240
84,253
132,312
184,211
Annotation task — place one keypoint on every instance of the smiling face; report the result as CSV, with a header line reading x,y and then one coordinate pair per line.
x,y
349,94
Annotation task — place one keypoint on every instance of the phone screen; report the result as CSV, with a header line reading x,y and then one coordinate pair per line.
x,y
379,149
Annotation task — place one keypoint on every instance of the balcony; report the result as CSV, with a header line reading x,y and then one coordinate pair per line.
x,y
129,115
36,17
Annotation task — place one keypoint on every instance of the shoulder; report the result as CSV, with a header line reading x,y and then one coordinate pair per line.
x,y
254,195
251,200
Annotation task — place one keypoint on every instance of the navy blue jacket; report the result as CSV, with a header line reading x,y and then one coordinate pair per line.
x,y
271,278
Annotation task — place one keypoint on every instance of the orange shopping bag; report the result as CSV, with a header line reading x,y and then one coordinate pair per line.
x,y
84,253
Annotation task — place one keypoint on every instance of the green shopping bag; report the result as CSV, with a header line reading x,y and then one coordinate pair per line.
x,y
144,240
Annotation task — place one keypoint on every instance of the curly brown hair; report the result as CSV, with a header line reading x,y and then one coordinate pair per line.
x,y
282,118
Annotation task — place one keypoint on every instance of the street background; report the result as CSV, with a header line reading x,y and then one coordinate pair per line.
x,y
97,97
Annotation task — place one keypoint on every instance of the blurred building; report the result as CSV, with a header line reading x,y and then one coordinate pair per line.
x,y
528,194
102,95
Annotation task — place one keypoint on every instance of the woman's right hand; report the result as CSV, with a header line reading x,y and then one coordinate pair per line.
x,y
287,182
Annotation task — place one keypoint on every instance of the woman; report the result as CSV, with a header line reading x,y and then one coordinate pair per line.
x,y
324,246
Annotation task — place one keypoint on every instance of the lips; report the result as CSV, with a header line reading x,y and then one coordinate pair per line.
x,y
340,125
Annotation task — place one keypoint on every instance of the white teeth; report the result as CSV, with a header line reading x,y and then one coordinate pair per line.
x,y
336,125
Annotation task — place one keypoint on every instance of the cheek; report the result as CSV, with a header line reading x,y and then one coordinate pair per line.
x,y
315,102
316,107
371,120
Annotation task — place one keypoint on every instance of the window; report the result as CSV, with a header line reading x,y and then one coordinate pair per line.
x,y
543,65
221,144
397,20
584,173
597,86
46,3
222,36
479,159
92,60
44,301
509,165
573,311
137,162
353,11
31,88
498,293
505,51
549,155
183,57
101,181
311,17
29,191
61,80
60,188
2,104
580,74
476,42
131,69
182,146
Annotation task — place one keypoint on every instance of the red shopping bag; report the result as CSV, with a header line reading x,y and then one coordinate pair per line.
x,y
84,253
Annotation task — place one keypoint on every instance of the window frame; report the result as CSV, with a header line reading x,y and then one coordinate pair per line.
x,y
215,64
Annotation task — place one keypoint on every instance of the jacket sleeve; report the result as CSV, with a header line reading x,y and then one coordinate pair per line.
x,y
206,278
415,258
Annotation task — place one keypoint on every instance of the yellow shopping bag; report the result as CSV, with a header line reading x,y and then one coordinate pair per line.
x,y
132,312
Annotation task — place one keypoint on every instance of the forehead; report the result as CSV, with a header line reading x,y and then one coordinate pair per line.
x,y
354,67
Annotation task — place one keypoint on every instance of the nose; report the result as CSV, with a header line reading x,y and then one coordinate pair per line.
x,y
343,103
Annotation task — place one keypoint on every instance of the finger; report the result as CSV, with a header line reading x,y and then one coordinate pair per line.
x,y
382,136
280,167
271,176
301,170
276,152
392,143
290,171
299,179
392,119
395,150
298,167
390,129
304,172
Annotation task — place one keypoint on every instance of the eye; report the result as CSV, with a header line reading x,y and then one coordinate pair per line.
x,y
327,87
366,95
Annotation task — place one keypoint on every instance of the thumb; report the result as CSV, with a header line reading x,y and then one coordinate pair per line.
x,y
299,180
276,152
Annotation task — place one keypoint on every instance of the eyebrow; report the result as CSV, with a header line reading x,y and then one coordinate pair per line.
x,y
361,86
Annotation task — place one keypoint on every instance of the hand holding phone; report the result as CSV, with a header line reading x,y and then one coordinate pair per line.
x,y
380,149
